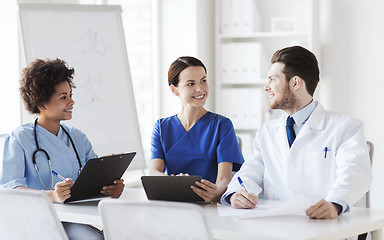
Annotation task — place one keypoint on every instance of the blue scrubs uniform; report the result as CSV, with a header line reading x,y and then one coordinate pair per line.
x,y
17,166
210,141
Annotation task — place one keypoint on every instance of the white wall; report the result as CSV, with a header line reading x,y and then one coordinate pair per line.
x,y
9,92
352,49
184,28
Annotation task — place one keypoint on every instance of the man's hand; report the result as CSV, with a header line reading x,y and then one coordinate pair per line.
x,y
242,199
322,210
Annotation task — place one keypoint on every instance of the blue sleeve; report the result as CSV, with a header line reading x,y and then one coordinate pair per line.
x,y
13,164
156,147
228,149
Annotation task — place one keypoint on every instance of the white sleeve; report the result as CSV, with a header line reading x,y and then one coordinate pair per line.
x,y
251,172
353,172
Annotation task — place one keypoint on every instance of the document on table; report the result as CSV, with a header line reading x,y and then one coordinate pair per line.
x,y
269,209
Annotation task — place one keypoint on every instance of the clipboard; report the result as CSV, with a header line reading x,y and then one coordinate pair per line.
x,y
97,173
171,188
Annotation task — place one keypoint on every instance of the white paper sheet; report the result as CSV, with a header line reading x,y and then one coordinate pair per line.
x,y
269,209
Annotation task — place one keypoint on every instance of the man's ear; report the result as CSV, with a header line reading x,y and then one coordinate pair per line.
x,y
174,90
296,83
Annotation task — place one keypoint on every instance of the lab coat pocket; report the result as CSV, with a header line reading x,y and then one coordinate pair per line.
x,y
319,170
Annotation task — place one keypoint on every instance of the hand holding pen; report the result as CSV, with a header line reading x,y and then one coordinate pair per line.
x,y
62,189
242,183
242,198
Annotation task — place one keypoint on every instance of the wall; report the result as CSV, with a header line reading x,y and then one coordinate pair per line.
x,y
352,40
183,28
9,93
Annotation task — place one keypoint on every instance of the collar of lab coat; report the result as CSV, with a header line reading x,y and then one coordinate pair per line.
x,y
317,118
315,121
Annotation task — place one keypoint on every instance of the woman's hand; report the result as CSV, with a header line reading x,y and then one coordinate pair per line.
x,y
62,190
180,174
208,191
114,190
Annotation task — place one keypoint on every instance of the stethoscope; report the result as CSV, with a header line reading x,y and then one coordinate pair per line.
x,y
38,149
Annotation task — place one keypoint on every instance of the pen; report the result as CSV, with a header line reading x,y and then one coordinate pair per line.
x,y
241,183
325,152
58,175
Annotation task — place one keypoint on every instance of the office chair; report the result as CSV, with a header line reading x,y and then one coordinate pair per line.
x,y
28,214
371,150
123,219
2,139
240,142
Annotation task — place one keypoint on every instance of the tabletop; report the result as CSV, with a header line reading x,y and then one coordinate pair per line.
x,y
358,220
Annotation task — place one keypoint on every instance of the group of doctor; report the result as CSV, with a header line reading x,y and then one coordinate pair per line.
x,y
306,151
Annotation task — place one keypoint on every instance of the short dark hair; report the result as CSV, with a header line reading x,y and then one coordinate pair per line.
x,y
39,79
179,65
299,62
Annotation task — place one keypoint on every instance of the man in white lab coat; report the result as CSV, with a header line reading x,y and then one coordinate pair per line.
x,y
307,150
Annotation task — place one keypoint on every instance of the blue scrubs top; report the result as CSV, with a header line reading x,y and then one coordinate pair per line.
x,y
18,168
210,141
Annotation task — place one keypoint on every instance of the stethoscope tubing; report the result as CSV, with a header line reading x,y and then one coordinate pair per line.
x,y
38,149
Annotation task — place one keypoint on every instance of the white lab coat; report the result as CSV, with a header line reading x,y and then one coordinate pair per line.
x,y
282,173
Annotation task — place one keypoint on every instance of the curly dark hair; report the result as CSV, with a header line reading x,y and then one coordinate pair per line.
x,y
39,80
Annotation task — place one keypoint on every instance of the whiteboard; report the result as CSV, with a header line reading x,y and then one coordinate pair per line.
x,y
90,39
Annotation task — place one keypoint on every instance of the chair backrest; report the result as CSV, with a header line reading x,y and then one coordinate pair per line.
x,y
240,142
2,139
123,219
28,214
365,201
371,150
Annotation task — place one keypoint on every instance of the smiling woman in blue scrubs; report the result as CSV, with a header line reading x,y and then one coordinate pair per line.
x,y
195,141
46,89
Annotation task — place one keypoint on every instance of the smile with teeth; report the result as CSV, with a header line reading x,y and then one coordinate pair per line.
x,y
199,97
68,111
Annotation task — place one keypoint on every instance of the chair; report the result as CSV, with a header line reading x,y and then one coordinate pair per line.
x,y
240,142
371,150
2,139
28,214
367,199
123,219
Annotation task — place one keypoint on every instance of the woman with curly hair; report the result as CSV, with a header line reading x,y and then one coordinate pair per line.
x,y
34,149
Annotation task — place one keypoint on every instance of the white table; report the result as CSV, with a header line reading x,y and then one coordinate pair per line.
x,y
359,220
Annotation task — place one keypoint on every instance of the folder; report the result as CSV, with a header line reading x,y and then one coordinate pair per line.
x,y
243,106
239,17
240,62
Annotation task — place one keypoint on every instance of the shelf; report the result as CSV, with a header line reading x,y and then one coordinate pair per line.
x,y
245,130
260,83
264,35
247,34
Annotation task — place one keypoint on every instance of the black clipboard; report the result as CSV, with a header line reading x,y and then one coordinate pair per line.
x,y
171,188
97,173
